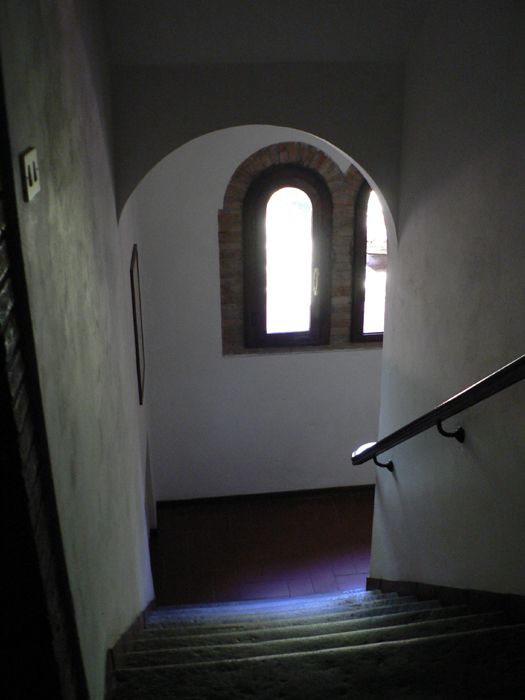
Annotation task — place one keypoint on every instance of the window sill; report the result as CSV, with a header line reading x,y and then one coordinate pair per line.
x,y
242,352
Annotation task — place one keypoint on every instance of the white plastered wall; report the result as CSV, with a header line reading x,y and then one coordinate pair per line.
x,y
455,514
76,263
243,424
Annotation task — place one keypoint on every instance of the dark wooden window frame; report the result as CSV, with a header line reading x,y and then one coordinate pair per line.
x,y
254,234
358,295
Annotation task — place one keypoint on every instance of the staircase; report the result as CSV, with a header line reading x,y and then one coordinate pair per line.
x,y
364,645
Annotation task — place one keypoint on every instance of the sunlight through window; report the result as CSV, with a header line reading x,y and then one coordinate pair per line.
x,y
375,279
288,261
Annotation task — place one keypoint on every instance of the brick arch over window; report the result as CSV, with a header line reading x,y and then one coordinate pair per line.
x,y
343,187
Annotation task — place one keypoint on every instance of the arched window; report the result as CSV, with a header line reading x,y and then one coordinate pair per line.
x,y
370,255
246,292
287,215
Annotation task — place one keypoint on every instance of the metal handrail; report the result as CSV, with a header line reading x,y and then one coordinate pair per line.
x,y
501,379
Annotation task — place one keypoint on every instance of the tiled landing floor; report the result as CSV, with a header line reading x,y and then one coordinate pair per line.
x,y
262,546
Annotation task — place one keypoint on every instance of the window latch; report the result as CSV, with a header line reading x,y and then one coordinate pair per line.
x,y
316,281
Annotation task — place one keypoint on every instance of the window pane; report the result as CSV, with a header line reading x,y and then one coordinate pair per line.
x,y
375,279
288,261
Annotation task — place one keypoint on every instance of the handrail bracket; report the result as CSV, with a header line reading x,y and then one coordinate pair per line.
x,y
458,433
494,383
389,465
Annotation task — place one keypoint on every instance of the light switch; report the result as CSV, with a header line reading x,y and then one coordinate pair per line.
x,y
30,173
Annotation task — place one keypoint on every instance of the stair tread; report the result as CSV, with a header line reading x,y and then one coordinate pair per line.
x,y
282,601
286,631
186,617
331,640
266,609
200,626
465,664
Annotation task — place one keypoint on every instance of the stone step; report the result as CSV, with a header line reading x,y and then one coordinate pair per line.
x,y
263,634
232,608
265,610
203,626
333,640
471,665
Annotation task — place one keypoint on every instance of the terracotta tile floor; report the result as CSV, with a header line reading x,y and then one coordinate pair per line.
x,y
262,546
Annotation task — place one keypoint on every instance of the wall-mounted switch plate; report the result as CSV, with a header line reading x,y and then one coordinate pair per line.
x,y
30,173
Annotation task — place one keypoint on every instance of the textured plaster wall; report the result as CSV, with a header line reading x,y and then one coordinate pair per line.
x,y
357,106
455,514
237,424
77,268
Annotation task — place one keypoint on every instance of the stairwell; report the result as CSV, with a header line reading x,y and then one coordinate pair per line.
x,y
366,645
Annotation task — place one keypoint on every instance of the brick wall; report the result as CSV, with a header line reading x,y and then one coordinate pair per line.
x,y
343,188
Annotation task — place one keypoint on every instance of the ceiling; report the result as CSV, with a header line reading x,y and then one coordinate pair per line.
x,y
167,32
